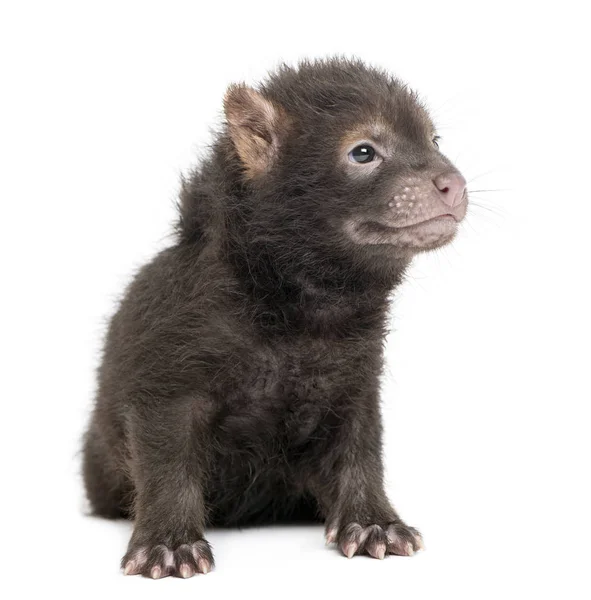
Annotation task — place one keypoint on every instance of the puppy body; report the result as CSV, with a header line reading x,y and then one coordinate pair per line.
x,y
240,377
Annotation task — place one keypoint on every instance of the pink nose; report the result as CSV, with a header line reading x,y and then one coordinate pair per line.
x,y
451,188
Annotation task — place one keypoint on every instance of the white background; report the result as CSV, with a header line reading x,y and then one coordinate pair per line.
x,y
487,398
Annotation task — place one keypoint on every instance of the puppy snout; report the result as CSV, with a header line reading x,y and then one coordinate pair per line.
x,y
451,188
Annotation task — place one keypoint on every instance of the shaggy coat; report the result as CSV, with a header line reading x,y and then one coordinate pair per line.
x,y
240,377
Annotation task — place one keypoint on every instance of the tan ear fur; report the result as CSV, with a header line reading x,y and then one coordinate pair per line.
x,y
254,126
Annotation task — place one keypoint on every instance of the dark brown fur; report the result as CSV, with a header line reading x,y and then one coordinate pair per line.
x,y
240,376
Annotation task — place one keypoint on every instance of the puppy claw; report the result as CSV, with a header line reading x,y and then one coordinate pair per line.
x,y
403,540
331,536
155,573
350,549
185,571
204,566
378,551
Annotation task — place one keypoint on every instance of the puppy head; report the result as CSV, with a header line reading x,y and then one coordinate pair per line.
x,y
345,156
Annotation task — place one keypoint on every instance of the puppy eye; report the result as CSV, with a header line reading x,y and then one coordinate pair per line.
x,y
362,154
436,141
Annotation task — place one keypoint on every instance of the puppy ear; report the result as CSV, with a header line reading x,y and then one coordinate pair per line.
x,y
254,124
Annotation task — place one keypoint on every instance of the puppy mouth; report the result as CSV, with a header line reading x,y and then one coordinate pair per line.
x,y
421,235
447,218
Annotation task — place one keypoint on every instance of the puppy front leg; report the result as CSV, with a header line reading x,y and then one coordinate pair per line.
x,y
350,491
168,444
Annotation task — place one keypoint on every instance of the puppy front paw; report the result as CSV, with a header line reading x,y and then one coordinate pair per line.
x,y
377,540
160,560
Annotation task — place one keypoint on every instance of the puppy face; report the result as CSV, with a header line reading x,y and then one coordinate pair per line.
x,y
404,194
351,153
